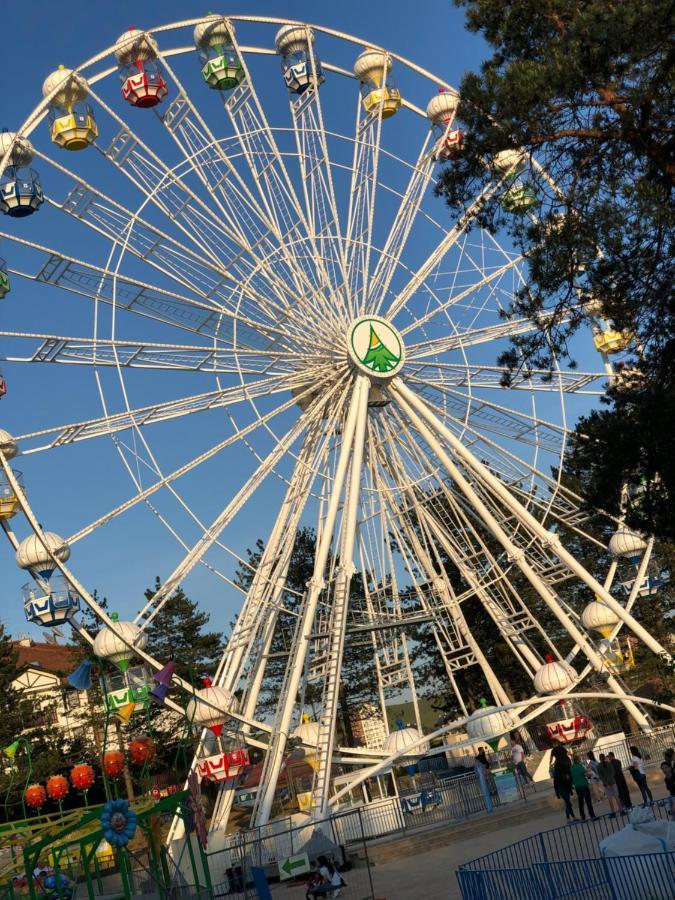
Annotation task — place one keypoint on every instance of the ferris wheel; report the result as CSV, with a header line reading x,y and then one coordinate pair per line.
x,y
279,316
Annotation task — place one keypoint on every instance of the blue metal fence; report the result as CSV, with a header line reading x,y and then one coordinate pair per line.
x,y
565,863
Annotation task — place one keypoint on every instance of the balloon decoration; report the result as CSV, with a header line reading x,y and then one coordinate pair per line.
x,y
118,822
35,796
141,750
57,787
82,777
113,763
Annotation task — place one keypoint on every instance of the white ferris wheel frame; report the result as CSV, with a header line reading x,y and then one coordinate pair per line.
x,y
477,494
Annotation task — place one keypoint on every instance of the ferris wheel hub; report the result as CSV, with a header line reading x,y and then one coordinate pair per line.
x,y
375,348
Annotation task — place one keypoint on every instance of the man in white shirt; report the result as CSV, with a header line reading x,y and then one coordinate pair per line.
x,y
518,757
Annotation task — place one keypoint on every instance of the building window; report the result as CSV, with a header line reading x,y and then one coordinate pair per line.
x,y
71,699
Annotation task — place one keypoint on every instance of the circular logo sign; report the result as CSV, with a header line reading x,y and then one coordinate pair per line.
x,y
375,347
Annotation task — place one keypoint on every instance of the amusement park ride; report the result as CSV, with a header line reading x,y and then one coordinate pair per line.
x,y
351,336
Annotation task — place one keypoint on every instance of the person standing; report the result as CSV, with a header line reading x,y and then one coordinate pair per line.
x,y
518,757
621,783
606,773
593,777
669,779
562,779
637,770
578,773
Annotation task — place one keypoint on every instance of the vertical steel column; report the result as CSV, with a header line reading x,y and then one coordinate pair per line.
x,y
279,738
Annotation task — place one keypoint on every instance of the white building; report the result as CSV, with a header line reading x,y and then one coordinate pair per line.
x,y
43,669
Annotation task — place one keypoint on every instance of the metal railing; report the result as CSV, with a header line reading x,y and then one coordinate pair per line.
x,y
566,862
233,869
344,836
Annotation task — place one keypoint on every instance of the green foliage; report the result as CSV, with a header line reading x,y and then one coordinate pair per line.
x,y
631,443
585,88
358,684
10,714
177,633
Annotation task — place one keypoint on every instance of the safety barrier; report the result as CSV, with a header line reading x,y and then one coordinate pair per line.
x,y
565,862
264,854
347,830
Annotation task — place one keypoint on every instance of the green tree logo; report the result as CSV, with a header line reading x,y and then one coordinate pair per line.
x,y
379,358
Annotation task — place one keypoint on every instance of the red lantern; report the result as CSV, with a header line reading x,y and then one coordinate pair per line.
x,y
113,763
35,795
141,750
82,777
57,787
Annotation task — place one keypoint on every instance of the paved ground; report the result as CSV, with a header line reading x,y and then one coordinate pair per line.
x,y
431,875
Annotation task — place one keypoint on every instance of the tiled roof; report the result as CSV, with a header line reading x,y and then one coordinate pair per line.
x,y
50,657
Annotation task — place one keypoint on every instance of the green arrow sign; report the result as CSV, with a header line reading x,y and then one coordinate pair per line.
x,y
293,865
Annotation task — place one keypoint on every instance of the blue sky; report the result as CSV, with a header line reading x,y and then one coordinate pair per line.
x,y
73,485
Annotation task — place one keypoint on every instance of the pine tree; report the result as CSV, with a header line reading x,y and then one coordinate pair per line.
x,y
358,685
177,633
586,89
13,711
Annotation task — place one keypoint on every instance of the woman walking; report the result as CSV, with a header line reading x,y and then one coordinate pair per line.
x,y
637,770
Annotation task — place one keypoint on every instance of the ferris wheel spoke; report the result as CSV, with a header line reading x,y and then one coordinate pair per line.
x,y
560,502
50,267
212,533
275,188
452,649
486,280
259,615
51,348
150,243
317,181
239,216
362,190
240,434
447,242
475,336
218,235
128,232
455,641
513,619
545,563
478,376
491,416
148,415
404,220
420,414
232,195
459,649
